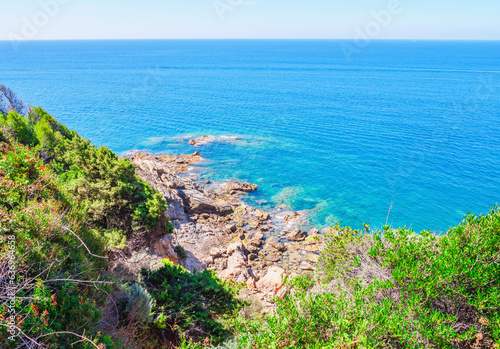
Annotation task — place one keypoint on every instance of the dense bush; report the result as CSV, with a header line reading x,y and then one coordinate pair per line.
x,y
188,304
49,240
63,201
105,188
181,252
393,289
18,127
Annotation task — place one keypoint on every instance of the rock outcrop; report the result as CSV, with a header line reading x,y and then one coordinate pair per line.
x,y
200,140
219,232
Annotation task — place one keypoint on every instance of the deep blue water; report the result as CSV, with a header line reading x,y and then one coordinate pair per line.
x,y
412,123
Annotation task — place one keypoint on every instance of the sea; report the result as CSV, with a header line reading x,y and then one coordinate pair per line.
x,y
403,133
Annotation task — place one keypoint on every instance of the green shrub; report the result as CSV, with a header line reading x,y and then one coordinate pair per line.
x,y
395,288
17,127
115,238
181,252
107,188
140,305
49,238
188,303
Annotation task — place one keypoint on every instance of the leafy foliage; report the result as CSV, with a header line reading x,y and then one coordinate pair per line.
x,y
189,303
107,188
434,291
37,216
140,304
64,202
181,252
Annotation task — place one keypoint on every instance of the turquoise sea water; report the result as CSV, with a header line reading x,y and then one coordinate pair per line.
x,y
412,123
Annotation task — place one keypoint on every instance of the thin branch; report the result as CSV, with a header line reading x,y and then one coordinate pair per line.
x,y
84,244
83,338
80,281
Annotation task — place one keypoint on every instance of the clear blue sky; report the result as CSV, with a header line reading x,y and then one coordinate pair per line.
x,y
127,19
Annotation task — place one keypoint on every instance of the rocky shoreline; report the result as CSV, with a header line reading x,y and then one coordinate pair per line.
x,y
218,231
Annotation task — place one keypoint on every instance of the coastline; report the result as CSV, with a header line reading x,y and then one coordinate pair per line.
x,y
219,231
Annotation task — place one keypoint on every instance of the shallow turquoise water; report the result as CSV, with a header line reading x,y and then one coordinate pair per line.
x,y
412,123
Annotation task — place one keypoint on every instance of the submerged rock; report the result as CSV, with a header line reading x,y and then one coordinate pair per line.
x,y
199,140
242,187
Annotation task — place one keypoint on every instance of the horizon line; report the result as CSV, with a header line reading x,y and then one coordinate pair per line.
x,y
317,39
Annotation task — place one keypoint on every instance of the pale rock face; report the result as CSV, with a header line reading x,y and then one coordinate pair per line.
x,y
296,235
272,281
236,246
196,202
236,260
165,249
216,252
237,268
251,283
192,263
306,266
274,243
313,232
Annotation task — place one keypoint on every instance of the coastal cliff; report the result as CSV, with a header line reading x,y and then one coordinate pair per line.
x,y
101,251
218,231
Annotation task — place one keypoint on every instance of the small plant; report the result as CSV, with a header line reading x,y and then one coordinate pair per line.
x,y
170,228
115,238
189,304
140,304
181,252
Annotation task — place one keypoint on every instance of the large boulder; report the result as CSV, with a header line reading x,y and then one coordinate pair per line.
x,y
296,235
237,268
272,282
261,215
313,231
196,202
244,187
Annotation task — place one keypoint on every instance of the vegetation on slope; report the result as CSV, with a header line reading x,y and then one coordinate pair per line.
x,y
393,289
66,205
